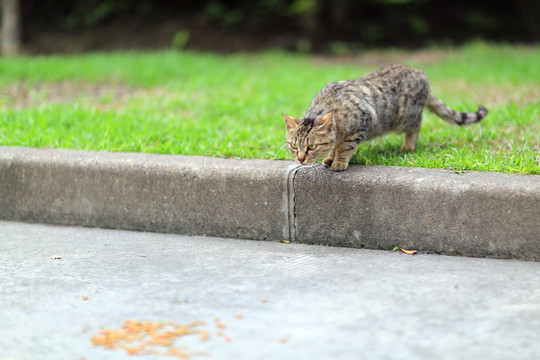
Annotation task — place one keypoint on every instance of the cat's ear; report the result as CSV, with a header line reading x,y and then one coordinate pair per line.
x,y
325,123
292,122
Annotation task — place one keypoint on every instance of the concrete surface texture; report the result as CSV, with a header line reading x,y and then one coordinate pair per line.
x,y
378,207
179,194
472,214
322,302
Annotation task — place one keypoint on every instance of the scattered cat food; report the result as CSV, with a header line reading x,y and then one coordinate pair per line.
x,y
221,325
283,340
56,257
264,300
228,339
85,297
146,337
239,316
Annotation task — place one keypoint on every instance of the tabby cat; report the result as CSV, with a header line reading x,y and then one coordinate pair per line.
x,y
345,113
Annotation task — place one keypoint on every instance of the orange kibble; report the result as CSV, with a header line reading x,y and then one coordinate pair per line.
x,y
228,339
97,340
283,340
132,350
85,297
205,335
264,300
175,352
239,316
221,325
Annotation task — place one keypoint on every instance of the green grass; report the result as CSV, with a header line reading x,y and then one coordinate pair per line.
x,y
229,105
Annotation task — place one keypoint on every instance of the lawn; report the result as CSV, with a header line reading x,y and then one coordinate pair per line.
x,y
229,105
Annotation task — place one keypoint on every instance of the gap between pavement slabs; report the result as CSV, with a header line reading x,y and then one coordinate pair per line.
x,y
376,207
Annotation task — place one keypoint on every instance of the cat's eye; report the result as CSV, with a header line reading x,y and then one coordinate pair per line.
x,y
294,146
312,147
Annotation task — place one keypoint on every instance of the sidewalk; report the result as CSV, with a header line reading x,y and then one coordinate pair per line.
x,y
322,302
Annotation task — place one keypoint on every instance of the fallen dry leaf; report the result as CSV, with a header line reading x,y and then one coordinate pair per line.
x,y
410,252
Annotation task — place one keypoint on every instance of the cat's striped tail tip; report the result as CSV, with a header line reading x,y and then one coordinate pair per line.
x,y
467,118
481,112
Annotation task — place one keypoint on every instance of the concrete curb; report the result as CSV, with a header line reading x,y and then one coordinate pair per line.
x,y
378,207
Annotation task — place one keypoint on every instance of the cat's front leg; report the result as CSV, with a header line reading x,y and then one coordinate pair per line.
x,y
340,165
342,157
327,161
345,149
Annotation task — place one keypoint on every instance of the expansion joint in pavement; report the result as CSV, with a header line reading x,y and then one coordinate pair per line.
x,y
288,200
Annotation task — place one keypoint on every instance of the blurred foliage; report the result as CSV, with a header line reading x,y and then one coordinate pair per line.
x,y
319,22
180,40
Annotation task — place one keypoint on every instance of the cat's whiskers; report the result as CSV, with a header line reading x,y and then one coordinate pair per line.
x,y
317,167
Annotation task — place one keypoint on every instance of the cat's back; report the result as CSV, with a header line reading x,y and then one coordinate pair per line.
x,y
393,72
386,94
395,79
388,79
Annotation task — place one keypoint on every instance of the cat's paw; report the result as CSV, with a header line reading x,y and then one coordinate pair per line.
x,y
328,161
407,148
339,166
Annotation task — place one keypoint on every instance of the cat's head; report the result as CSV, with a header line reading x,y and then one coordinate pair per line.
x,y
309,139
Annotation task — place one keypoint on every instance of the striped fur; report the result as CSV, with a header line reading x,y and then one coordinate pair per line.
x,y
454,117
345,113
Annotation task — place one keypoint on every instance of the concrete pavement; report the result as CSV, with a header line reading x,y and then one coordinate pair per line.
x,y
326,302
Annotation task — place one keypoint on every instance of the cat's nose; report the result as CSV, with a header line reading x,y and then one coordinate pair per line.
x,y
301,159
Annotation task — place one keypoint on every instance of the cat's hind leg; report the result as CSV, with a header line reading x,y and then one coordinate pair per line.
x,y
409,143
412,128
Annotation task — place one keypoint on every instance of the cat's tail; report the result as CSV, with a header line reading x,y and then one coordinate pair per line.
x,y
452,116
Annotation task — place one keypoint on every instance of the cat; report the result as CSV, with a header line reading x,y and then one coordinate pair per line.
x,y
347,112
